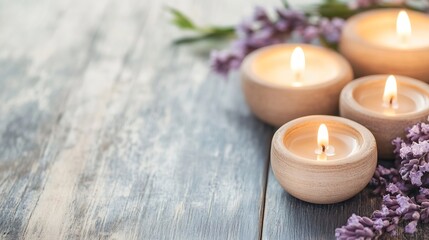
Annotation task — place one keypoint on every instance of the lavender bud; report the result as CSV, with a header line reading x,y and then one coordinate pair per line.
x,y
411,227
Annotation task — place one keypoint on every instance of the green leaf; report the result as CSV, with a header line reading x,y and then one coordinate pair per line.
x,y
181,20
220,30
203,33
334,8
218,35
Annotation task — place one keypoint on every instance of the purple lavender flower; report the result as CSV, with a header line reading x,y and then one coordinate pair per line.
x,y
379,224
256,32
382,177
291,18
406,185
424,191
222,61
310,33
260,30
357,4
386,216
424,168
357,228
411,227
420,148
424,212
416,177
404,204
418,132
397,143
405,150
331,29
259,14
392,188
244,28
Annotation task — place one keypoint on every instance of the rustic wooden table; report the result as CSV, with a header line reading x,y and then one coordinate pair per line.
x,y
110,132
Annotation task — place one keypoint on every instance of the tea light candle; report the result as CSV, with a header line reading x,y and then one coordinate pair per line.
x,y
386,105
389,41
323,159
287,81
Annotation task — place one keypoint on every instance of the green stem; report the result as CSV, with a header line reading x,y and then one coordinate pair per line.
x,y
285,4
182,21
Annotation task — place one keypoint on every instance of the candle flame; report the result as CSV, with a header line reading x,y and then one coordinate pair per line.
x,y
390,95
297,62
403,26
323,137
324,149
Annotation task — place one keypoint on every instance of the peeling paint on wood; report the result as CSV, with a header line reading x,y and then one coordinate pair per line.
x,y
107,131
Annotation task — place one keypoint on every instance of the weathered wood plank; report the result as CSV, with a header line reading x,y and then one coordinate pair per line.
x,y
136,140
289,218
39,58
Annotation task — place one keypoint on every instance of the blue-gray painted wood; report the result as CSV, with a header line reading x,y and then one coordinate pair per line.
x,y
107,131
289,218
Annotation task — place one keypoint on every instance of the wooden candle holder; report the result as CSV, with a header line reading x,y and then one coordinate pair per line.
x,y
384,127
368,56
277,104
324,181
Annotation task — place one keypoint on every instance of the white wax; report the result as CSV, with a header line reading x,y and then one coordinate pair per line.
x,y
411,98
303,141
379,28
273,66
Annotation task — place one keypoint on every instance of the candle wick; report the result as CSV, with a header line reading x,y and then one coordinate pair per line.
x,y
323,148
404,39
297,76
391,101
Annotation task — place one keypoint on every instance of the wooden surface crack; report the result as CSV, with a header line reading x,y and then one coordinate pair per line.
x,y
264,191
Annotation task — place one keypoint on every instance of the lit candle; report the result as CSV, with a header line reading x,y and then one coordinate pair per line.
x,y
297,65
390,94
403,27
324,149
277,77
386,105
325,175
387,41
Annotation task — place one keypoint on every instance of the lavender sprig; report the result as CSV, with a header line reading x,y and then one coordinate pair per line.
x,y
260,30
320,24
405,190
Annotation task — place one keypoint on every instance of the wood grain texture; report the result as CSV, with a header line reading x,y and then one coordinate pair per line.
x,y
109,132
289,218
332,180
